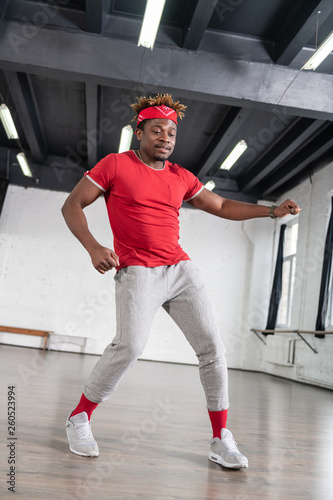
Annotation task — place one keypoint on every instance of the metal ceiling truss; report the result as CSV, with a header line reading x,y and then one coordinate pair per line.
x,y
237,72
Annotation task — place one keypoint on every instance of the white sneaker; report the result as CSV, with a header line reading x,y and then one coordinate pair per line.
x,y
224,451
80,438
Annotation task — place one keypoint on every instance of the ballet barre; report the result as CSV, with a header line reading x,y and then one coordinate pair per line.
x,y
27,331
298,332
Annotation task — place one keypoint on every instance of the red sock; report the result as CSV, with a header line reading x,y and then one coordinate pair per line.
x,y
218,420
84,405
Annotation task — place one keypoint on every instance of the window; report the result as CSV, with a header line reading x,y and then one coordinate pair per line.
x,y
329,249
288,276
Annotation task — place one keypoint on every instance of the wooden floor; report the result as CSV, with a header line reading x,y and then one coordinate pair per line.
x,y
154,434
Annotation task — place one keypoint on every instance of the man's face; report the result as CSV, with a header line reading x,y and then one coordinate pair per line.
x,y
158,138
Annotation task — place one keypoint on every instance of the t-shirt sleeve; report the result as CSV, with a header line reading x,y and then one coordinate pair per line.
x,y
104,172
194,186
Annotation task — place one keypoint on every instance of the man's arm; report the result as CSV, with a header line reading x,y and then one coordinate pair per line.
x,y
84,194
237,210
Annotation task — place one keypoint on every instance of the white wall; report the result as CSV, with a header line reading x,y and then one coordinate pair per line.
x,y
47,281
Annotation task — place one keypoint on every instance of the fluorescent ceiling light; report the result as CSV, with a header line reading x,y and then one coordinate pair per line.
x,y
210,185
7,122
238,150
151,22
125,139
24,164
324,50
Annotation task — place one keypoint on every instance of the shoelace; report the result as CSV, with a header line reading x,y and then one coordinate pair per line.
x,y
230,443
83,431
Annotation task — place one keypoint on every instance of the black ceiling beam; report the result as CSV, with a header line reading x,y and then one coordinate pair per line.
x,y
226,134
22,93
34,14
300,132
93,101
307,156
122,27
55,174
197,75
226,44
96,12
299,27
6,98
198,24
10,168
239,47
3,7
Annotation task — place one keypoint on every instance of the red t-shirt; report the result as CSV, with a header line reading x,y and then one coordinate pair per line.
x,y
143,207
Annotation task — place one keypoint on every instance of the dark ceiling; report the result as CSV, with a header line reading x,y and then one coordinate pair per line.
x,y
70,69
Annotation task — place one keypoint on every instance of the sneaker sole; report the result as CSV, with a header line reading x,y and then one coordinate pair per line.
x,y
96,454
218,459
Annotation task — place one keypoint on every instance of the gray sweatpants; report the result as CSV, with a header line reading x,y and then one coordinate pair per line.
x,y
140,292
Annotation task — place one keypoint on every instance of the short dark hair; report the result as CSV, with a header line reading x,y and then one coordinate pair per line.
x,y
141,125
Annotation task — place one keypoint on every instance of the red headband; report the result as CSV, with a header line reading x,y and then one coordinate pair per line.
x,y
157,112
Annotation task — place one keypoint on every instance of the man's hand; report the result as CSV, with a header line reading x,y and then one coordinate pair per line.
x,y
84,194
103,259
286,208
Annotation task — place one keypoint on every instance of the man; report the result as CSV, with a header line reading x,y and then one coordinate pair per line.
x,y
143,194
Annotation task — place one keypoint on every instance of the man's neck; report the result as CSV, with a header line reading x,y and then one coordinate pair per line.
x,y
157,164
